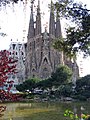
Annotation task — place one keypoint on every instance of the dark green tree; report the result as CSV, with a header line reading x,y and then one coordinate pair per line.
x,y
65,90
62,75
45,84
83,87
29,84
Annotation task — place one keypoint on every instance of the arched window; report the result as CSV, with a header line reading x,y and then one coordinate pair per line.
x,y
22,53
16,53
45,60
33,70
33,75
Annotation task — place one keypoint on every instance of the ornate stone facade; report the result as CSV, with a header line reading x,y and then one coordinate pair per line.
x,y
41,58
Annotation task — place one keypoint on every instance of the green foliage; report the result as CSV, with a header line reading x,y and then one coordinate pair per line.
x,y
65,90
83,87
29,84
61,44
62,75
84,81
44,84
79,97
61,7
77,37
69,113
74,116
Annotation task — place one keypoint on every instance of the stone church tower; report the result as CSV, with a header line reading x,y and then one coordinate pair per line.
x,y
41,58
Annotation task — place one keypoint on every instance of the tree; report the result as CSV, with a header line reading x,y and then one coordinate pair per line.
x,y
83,87
77,37
62,75
65,90
29,84
58,83
45,84
7,65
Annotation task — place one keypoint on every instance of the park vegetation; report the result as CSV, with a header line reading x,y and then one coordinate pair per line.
x,y
58,86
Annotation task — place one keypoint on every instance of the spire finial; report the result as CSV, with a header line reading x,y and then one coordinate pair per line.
x,y
38,20
52,20
38,7
32,2
31,24
38,2
45,29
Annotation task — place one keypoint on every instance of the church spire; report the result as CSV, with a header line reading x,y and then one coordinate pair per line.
x,y
38,20
52,21
31,24
58,27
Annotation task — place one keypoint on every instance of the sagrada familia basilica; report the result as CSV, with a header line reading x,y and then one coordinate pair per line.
x,y
37,57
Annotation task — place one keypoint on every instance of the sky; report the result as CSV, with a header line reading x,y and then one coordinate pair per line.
x,y
14,22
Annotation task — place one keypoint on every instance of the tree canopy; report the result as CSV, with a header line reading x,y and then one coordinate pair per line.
x,y
29,84
83,87
77,37
62,75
